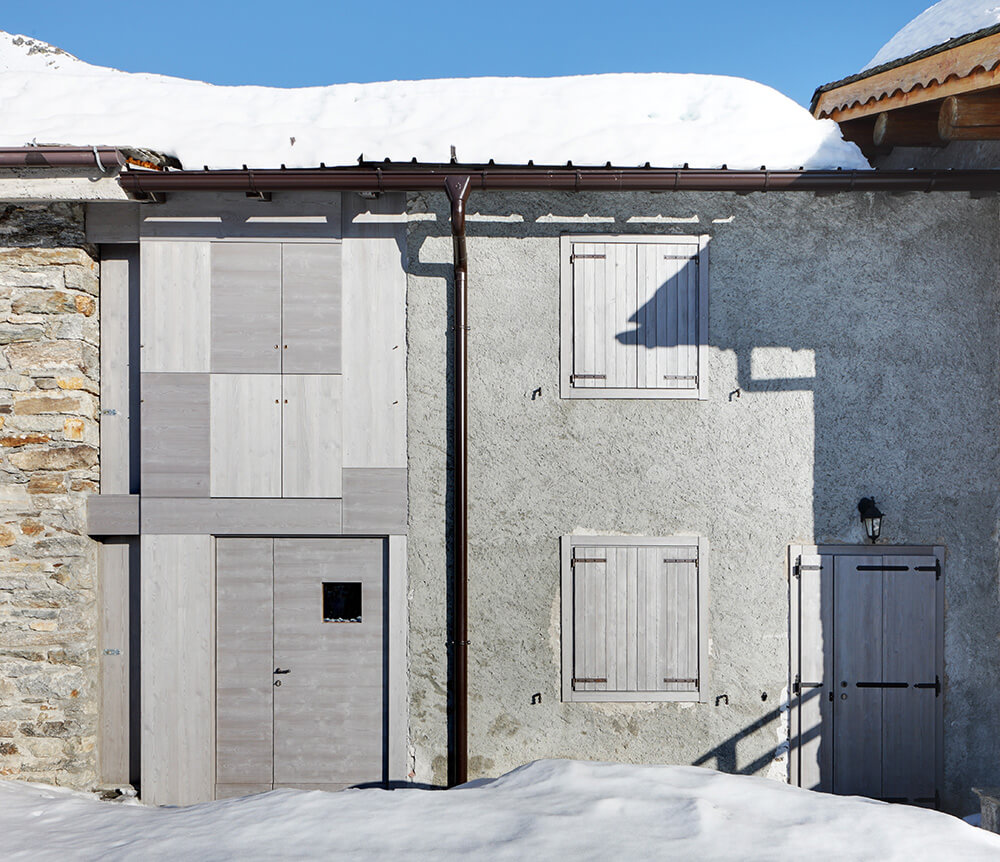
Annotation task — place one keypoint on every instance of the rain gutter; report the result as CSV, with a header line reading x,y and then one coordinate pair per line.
x,y
102,158
399,177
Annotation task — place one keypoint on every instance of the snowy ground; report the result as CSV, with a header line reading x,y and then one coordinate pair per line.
x,y
946,20
548,810
49,97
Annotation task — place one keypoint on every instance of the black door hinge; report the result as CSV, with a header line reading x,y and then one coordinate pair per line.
x,y
936,685
936,568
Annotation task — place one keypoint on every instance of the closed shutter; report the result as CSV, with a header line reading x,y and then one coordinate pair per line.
x,y
636,619
604,301
638,315
668,317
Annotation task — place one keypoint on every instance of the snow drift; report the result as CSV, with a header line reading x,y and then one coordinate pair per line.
x,y
51,97
946,20
548,810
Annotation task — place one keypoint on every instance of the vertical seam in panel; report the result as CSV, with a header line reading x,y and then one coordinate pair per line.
x,y
273,724
281,389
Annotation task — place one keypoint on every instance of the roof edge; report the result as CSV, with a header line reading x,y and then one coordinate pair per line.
x,y
958,41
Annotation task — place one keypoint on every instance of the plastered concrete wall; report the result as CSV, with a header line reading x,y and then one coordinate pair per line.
x,y
853,352
958,154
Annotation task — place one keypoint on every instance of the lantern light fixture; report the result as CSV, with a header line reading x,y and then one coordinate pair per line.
x,y
871,518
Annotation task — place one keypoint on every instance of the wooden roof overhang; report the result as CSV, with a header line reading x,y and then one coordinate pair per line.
x,y
949,92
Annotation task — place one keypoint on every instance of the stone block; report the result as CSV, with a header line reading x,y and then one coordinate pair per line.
x,y
57,402
42,279
73,429
46,302
10,333
24,440
45,257
61,356
70,458
46,485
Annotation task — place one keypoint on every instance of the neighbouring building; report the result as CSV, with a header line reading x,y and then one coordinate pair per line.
x,y
331,472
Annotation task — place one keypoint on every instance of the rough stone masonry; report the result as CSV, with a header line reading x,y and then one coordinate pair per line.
x,y
49,461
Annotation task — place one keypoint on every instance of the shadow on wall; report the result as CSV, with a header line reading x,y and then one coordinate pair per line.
x,y
848,300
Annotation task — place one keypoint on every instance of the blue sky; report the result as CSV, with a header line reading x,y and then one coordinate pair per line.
x,y
793,46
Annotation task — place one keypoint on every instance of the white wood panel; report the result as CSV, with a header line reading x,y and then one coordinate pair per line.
x,y
113,729
246,435
117,266
312,450
398,696
374,332
175,300
178,670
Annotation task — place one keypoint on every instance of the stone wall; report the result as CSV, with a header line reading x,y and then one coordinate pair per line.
x,y
48,460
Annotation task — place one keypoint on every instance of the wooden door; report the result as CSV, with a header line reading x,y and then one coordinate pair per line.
x,y
329,655
311,308
866,710
300,664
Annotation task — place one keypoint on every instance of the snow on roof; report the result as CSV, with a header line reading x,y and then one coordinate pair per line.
x,y
49,96
547,810
942,22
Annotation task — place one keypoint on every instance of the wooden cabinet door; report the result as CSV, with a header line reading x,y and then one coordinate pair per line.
x,y
246,307
246,435
311,464
311,308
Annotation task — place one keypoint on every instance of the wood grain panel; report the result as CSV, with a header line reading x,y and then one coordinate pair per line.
x,y
312,448
113,514
375,501
241,516
119,264
374,334
336,669
175,304
311,308
244,661
175,442
113,728
857,760
813,730
908,727
246,435
178,670
246,307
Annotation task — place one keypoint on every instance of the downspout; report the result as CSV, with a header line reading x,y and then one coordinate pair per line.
x,y
458,189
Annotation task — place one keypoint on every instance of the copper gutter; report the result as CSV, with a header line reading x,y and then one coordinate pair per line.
x,y
102,158
400,177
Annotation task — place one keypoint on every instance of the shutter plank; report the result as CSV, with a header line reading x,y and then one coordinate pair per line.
x,y
631,620
621,618
908,655
694,313
815,665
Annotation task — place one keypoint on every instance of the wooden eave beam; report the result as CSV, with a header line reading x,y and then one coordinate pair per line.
x,y
916,126
972,117
965,69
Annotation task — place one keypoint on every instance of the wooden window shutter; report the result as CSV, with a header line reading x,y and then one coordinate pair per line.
x,y
636,621
604,301
668,318
590,579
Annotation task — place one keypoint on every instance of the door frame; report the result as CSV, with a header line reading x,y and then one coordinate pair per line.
x,y
396,633
794,552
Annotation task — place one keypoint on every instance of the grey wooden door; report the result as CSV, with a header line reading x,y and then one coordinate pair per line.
x,y
866,710
301,657
329,710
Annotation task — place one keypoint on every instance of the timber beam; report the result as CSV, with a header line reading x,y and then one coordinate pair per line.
x,y
973,117
909,127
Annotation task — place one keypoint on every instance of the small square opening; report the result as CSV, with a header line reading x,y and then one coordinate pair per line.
x,y
341,602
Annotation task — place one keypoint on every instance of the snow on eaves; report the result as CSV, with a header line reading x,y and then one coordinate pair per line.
x,y
668,120
942,22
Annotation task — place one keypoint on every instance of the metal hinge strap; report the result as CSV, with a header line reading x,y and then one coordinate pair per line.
x,y
576,560
936,685
936,568
574,377
689,560
593,679
575,257
694,680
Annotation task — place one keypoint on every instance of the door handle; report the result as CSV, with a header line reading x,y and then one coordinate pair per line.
x,y
279,670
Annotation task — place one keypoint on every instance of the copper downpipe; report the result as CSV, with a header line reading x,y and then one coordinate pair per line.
x,y
458,189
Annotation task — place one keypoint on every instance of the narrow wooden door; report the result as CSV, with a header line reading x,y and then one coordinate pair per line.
x,y
329,655
865,708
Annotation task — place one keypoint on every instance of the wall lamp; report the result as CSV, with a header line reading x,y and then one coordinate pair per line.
x,y
871,517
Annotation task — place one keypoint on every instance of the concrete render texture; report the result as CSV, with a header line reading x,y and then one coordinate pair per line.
x,y
853,352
